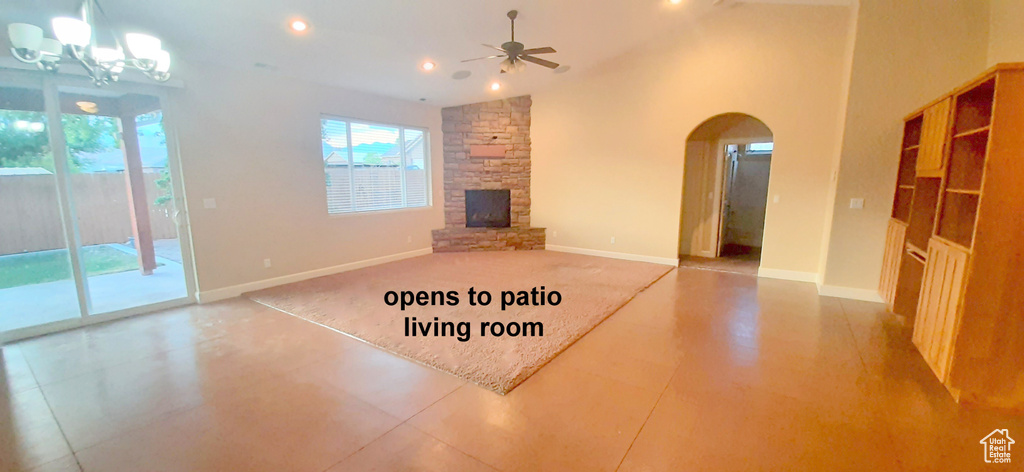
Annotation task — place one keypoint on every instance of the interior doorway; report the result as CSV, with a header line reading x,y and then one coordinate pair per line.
x,y
725,194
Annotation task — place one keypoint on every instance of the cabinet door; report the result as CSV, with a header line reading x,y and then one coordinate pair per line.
x,y
933,139
938,310
895,238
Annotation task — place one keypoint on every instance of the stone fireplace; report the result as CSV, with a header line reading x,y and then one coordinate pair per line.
x,y
487,178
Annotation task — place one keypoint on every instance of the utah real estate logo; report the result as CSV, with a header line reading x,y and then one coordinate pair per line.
x,y
997,446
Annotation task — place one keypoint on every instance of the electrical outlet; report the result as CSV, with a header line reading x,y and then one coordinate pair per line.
x,y
209,203
554,234
266,263
775,199
857,203
408,240
613,239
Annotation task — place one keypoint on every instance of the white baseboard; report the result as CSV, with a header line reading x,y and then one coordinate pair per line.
x,y
850,293
783,274
674,262
237,290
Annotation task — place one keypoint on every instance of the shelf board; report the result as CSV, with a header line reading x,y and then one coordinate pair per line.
x,y
911,187
911,148
963,191
972,132
919,254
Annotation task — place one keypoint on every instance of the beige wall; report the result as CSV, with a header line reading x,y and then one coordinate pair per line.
x,y
1006,34
251,140
906,54
608,147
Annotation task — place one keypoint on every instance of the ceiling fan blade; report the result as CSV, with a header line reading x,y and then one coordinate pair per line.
x,y
495,47
548,50
539,61
482,58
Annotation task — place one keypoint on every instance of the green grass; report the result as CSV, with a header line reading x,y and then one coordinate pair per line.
x,y
50,266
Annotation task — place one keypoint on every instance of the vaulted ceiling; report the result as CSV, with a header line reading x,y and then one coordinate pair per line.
x,y
377,46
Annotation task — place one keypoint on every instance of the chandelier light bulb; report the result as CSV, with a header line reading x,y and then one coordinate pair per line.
x,y
25,36
72,31
143,46
163,61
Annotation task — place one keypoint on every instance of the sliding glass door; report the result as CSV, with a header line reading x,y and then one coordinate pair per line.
x,y
37,284
94,208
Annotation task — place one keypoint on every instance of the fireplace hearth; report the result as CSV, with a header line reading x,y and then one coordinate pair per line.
x,y
488,209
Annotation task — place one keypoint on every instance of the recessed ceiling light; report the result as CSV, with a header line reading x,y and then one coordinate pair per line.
x,y
88,107
495,86
675,2
428,66
299,26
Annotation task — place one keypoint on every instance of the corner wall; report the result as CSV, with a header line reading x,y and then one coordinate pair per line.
x,y
1006,31
609,146
905,55
251,140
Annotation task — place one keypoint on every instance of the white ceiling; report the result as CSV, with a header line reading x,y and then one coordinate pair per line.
x,y
376,46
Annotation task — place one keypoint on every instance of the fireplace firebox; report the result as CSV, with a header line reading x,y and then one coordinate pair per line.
x,y
488,209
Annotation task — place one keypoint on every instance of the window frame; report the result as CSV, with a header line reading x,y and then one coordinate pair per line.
x,y
428,174
749,152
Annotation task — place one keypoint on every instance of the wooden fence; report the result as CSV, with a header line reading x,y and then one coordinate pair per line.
x,y
375,186
30,217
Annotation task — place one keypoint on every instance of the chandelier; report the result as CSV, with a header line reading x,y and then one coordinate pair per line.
x,y
77,38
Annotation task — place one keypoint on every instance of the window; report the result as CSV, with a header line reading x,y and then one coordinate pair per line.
x,y
370,167
760,148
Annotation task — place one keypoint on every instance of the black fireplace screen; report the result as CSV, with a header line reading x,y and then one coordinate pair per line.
x,y
488,209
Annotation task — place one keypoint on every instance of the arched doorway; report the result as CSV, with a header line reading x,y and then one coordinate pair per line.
x,y
725,193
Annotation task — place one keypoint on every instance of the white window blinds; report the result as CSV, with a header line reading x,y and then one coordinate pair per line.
x,y
371,167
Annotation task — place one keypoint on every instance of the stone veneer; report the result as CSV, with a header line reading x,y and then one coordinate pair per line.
x,y
486,126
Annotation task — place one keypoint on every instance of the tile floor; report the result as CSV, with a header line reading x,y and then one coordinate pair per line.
x,y
703,371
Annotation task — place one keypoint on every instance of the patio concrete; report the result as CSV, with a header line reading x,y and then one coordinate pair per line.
x,y
31,305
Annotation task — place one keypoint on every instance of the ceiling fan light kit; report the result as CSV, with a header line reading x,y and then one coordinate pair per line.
x,y
516,54
77,37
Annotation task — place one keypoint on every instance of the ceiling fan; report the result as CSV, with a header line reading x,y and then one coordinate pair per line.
x,y
515,53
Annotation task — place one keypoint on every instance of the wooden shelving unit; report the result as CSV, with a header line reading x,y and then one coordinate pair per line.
x,y
901,209
953,261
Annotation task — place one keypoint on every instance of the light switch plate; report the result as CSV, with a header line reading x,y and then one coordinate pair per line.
x,y
209,203
857,203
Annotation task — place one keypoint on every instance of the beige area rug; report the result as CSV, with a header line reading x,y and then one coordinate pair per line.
x,y
591,289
